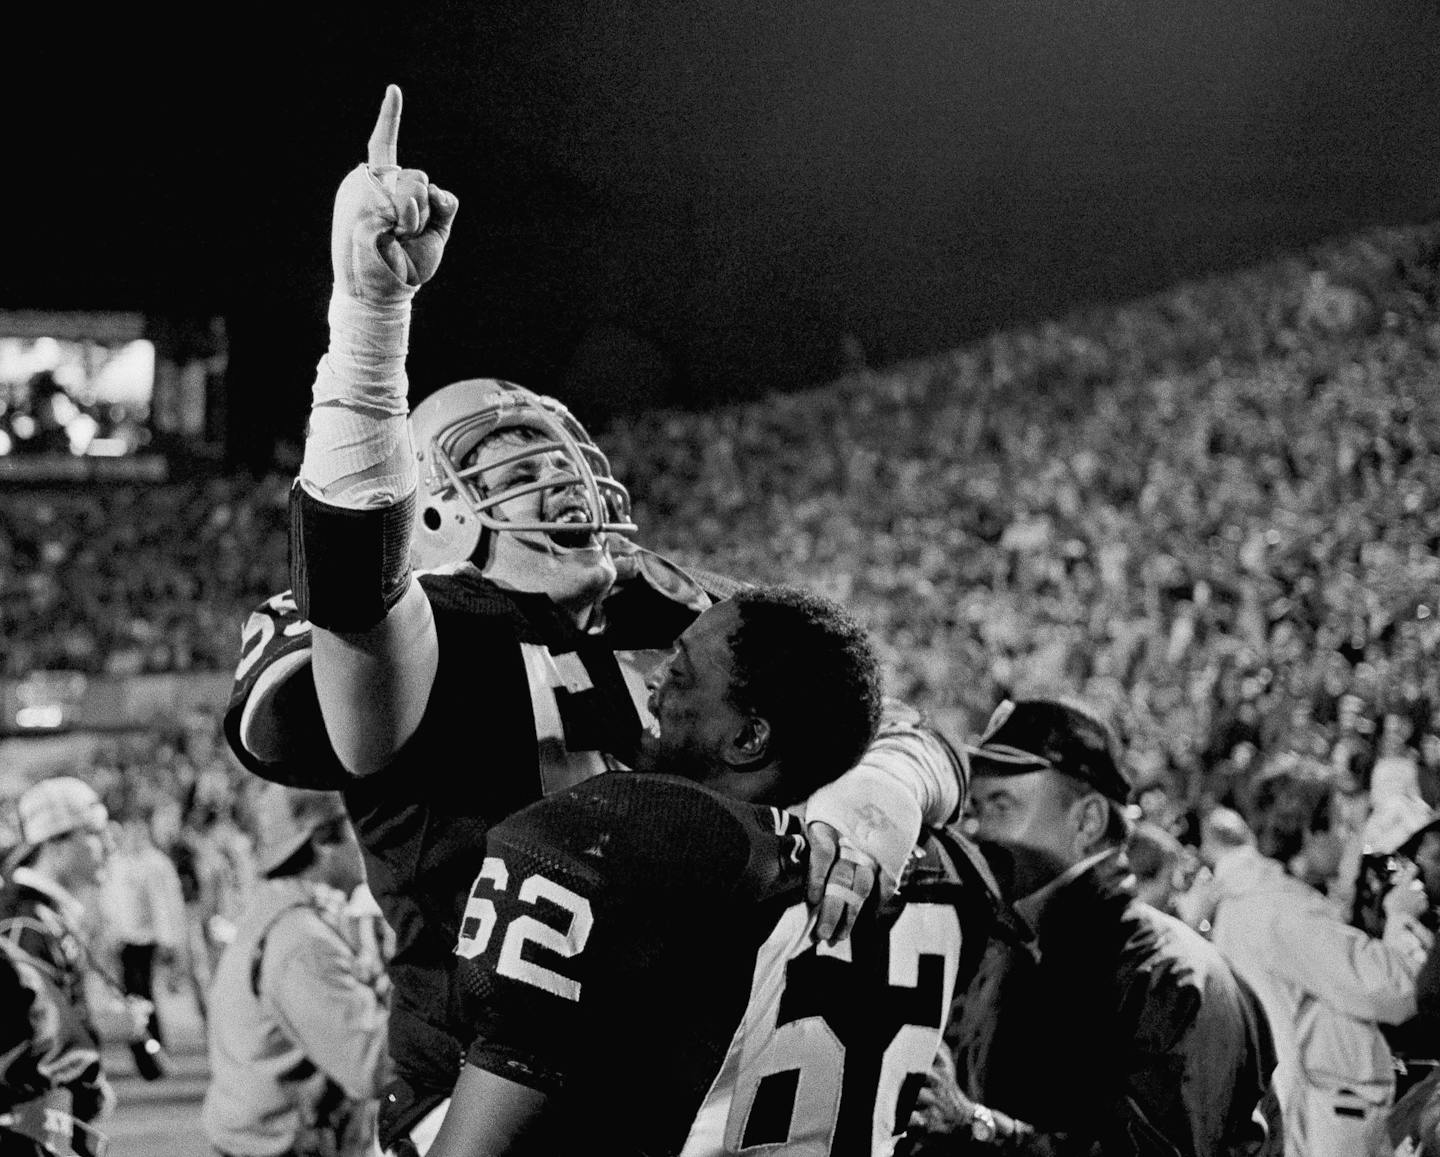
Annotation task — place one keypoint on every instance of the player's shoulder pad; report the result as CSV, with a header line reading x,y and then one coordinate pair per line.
x,y
663,833
272,719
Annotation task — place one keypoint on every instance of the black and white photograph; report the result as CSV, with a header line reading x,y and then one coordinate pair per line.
x,y
702,578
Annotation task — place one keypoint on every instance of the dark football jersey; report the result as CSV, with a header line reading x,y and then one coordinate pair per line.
x,y
639,948
523,704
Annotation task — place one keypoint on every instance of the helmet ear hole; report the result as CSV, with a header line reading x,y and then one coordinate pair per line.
x,y
455,502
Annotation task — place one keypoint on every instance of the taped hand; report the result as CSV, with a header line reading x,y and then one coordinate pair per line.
x,y
841,880
390,224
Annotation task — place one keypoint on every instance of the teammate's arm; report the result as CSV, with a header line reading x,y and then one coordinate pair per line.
x,y
375,646
865,824
488,1115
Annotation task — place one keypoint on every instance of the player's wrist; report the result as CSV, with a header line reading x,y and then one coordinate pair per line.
x,y
365,362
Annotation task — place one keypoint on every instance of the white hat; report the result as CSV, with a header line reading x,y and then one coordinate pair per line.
x,y
286,817
1394,821
1394,775
55,807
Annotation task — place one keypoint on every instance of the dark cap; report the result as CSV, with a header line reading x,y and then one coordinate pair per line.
x,y
1045,734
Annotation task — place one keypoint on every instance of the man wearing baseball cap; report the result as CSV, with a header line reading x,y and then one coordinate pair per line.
x,y
298,1033
1120,1030
62,850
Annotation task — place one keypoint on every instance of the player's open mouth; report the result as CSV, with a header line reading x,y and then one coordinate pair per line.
x,y
583,537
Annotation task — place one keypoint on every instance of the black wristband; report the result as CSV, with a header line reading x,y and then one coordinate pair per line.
x,y
348,567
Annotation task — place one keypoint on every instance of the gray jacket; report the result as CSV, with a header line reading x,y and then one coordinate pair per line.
x,y
295,1016
1326,987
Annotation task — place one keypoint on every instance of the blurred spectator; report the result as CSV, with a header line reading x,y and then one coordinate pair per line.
x,y
1416,1043
1159,1047
1326,986
298,1024
62,852
145,918
1396,802
125,580
1163,866
1221,832
44,1047
1397,813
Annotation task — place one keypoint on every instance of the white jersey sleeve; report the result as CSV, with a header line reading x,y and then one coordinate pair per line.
x,y
908,777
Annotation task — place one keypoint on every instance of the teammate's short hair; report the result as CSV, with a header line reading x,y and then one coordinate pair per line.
x,y
801,662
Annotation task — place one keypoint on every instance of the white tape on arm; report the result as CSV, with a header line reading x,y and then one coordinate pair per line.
x,y
875,813
905,778
357,448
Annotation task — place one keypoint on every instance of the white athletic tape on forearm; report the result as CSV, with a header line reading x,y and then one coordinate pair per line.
x,y
365,366
357,447
874,813
357,460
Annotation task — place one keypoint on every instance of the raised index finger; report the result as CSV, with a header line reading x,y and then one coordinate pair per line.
x,y
385,139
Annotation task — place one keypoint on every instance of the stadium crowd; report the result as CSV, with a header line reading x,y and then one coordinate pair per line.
x,y
1209,514
1210,511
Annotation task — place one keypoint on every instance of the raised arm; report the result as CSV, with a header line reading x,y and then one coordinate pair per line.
x,y
1363,977
375,648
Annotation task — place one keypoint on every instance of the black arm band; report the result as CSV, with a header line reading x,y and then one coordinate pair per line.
x,y
348,567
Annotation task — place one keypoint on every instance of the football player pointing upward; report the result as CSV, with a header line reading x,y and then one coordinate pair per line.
x,y
517,667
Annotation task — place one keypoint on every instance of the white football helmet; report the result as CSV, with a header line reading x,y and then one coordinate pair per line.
x,y
454,506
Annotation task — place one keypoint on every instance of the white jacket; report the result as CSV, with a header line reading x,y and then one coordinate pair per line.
x,y
1325,986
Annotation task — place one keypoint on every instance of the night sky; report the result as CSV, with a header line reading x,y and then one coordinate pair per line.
x,y
682,201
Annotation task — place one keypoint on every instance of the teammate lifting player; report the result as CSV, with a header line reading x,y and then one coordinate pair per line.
x,y
515,668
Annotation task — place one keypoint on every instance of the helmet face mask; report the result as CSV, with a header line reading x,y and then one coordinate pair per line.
x,y
458,499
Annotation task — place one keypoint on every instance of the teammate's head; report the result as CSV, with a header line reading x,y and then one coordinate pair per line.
x,y
766,696
512,482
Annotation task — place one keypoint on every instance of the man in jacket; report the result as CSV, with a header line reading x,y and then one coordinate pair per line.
x,y
63,848
1327,987
1118,1030
145,915
42,1045
298,1021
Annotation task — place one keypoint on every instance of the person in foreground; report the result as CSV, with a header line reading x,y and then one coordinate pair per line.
x,y
515,664
55,1091
636,953
297,1040
1327,987
1121,1032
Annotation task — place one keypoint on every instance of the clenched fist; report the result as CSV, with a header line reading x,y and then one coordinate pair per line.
x,y
390,224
